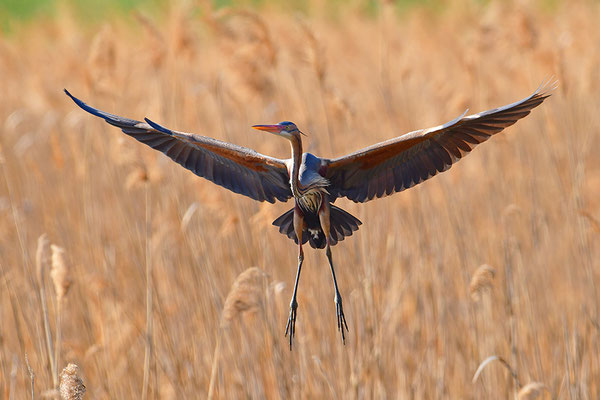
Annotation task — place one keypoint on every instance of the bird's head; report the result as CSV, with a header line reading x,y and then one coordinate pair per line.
x,y
287,129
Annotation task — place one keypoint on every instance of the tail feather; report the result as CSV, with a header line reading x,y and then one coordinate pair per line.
x,y
286,226
342,224
334,236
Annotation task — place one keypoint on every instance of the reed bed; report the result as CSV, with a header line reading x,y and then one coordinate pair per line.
x,y
497,257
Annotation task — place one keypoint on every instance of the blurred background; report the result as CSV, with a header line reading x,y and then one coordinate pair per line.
x,y
496,257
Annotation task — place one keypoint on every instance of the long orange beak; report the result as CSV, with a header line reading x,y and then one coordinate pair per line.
x,y
268,128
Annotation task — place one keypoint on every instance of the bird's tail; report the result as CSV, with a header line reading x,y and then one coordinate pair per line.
x,y
342,224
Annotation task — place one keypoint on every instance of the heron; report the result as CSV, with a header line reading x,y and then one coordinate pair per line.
x,y
316,182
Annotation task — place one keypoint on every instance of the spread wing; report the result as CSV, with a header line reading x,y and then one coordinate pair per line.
x,y
400,163
236,168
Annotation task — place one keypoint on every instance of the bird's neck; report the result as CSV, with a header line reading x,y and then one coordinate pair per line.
x,y
296,144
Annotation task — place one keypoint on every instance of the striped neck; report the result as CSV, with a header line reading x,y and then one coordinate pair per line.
x,y
296,145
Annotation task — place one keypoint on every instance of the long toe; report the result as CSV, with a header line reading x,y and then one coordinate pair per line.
x,y
341,318
291,323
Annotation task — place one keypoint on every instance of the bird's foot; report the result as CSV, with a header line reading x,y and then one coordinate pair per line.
x,y
341,319
291,324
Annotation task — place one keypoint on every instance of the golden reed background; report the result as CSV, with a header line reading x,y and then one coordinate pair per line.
x,y
526,203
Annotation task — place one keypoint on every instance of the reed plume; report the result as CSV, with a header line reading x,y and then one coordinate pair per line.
x,y
531,391
71,385
482,281
60,272
245,296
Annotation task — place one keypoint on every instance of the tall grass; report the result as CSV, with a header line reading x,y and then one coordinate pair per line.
x,y
526,203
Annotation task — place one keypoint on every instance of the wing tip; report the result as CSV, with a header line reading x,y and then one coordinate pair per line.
x,y
158,127
75,99
87,108
547,87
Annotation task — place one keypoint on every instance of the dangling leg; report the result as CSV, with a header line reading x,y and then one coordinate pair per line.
x,y
291,324
325,225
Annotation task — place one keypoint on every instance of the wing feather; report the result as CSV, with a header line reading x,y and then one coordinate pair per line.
x,y
400,163
236,168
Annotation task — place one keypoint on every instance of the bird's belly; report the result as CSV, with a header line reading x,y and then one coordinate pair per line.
x,y
311,201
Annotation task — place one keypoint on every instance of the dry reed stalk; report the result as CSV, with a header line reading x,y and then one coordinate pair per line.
x,y
245,296
148,346
13,306
60,274
570,370
42,260
71,385
531,391
187,216
481,281
31,377
510,243
213,370
13,377
488,360
13,208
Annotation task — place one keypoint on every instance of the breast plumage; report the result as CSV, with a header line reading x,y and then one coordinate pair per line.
x,y
312,185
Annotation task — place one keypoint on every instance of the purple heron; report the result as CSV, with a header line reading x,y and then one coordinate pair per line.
x,y
315,183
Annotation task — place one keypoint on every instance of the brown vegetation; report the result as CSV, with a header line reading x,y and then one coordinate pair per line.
x,y
527,203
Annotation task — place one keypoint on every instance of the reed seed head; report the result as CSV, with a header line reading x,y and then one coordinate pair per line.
x,y
531,391
244,296
71,385
60,272
482,281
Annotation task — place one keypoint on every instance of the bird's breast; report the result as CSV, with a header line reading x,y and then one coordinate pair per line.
x,y
311,200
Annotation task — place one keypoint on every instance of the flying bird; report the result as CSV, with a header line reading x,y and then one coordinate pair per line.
x,y
314,182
